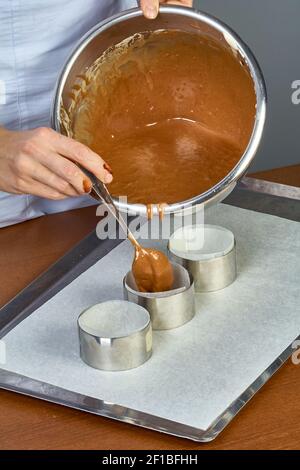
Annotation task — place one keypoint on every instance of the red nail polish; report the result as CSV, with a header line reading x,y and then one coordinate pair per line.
x,y
87,186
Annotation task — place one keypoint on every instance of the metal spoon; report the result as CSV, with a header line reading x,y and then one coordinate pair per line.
x,y
101,193
152,269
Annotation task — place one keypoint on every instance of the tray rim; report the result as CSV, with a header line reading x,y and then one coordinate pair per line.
x,y
52,283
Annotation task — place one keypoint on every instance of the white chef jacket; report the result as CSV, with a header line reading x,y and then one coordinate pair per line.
x,y
36,37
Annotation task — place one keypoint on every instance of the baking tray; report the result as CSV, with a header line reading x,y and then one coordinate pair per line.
x,y
86,254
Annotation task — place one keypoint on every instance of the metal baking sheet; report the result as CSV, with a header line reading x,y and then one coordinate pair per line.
x,y
238,339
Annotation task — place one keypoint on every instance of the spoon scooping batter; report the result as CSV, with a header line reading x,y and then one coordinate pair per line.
x,y
152,270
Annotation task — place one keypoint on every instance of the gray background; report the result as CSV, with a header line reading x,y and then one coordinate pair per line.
x,y
272,30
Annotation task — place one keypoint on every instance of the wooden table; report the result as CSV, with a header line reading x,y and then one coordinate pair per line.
x,y
270,421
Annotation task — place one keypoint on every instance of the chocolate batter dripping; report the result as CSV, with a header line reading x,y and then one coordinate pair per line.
x,y
149,211
172,113
160,210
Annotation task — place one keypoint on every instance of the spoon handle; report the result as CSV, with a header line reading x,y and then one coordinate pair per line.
x,y
101,193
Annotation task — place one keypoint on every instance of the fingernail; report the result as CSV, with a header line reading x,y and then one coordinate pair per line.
x,y
108,178
107,167
151,12
87,186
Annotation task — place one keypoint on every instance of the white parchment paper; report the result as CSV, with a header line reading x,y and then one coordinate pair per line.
x,y
198,370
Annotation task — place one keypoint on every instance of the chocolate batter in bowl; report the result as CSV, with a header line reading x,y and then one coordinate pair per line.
x,y
176,106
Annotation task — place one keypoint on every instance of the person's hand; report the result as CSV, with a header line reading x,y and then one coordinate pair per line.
x,y
150,7
39,162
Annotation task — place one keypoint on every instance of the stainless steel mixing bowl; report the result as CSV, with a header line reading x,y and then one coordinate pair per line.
x,y
117,28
